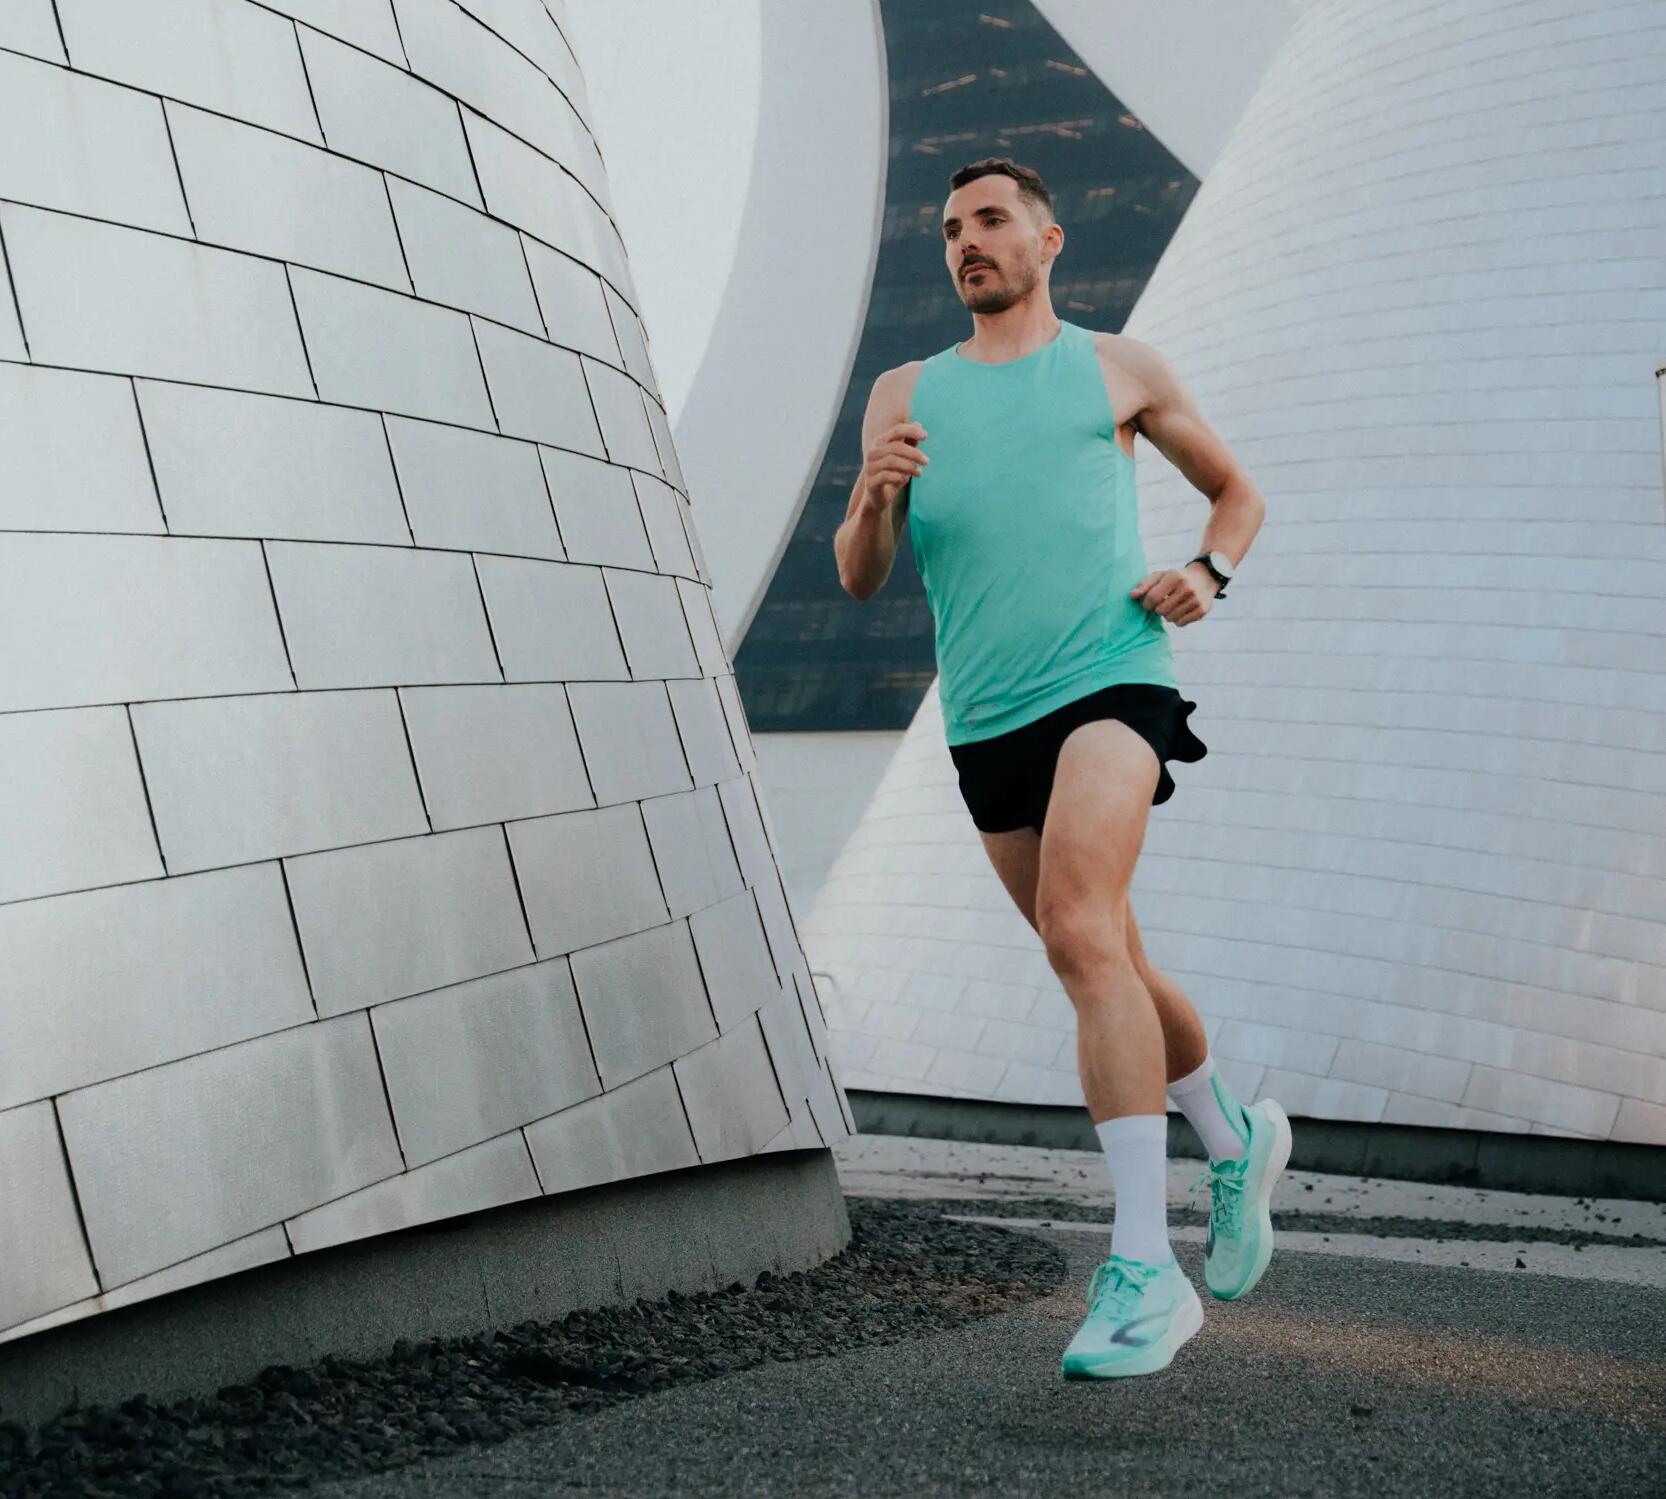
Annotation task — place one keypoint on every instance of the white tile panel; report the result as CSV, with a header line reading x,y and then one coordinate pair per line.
x,y
72,804
1318,1098
531,30
691,534
597,509
86,147
529,190
1410,1108
644,1003
474,63
386,920
1020,1083
586,877
75,458
486,1176
246,1253
745,827
374,348
364,23
976,1073
1400,1070
789,1048
551,620
634,1130
944,1028
619,407
632,341
488,754
230,464
99,297
691,849
1644,1123
831,1109
1277,1046
650,617
307,1104
175,618
473,491
384,116
1013,1042
778,925
11,332
226,55
734,1102
460,257
669,465
111,981
705,735
734,959
31,26
469,1062
629,738
708,645
1542,1101
660,504
538,390
235,779
40,1233
570,297
380,616
256,191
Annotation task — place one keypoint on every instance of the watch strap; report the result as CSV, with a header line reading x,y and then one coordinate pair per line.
x,y
1209,567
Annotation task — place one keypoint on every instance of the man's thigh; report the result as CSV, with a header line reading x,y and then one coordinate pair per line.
x,y
1096,819
1017,860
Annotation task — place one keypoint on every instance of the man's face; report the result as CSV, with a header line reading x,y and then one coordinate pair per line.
x,y
992,244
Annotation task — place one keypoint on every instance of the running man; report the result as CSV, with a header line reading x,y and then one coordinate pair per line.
x,y
1011,457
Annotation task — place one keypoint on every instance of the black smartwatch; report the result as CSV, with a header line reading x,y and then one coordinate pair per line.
x,y
1219,566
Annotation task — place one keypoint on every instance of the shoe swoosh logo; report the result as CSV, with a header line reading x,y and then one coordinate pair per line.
x,y
1121,1335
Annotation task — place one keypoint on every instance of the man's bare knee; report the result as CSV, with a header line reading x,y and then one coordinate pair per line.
x,y
1081,936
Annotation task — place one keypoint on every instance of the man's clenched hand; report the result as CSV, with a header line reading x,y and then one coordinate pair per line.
x,y
891,463
1181,595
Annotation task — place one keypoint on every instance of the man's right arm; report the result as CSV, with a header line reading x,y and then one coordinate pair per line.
x,y
866,542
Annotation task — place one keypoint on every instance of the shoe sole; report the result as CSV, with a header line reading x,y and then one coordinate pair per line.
x,y
1188,1321
1276,1160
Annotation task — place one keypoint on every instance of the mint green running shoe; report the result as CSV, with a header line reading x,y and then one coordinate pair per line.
x,y
1240,1238
1139,1314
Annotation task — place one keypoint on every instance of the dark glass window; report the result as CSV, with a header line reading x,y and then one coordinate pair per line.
x,y
968,79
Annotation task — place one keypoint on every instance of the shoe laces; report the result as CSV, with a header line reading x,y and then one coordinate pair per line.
x,y
1117,1283
1225,1180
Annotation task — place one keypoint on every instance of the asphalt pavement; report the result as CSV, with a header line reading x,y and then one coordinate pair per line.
x,y
1414,1340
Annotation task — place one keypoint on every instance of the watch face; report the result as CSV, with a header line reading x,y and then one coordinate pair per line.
x,y
1221,563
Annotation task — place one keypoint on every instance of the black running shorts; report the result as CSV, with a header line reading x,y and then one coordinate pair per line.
x,y
1006,780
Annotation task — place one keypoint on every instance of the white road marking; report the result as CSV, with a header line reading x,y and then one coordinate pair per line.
x,y
1604,1262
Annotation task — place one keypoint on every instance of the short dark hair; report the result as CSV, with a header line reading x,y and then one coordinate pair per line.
x,y
1030,186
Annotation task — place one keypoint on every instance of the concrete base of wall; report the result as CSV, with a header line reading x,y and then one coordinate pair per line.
x,y
694,1230
1513,1163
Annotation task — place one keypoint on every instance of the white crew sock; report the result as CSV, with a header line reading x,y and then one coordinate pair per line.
x,y
1215,1114
1136,1150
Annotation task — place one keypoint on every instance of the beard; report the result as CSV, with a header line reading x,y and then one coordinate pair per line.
x,y
999,297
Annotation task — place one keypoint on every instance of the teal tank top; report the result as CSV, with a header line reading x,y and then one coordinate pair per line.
x,y
1025,529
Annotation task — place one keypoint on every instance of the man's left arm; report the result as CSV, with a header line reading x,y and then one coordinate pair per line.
x,y
1171,421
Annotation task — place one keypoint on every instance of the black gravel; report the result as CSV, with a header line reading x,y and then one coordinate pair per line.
x,y
1068,1210
906,1273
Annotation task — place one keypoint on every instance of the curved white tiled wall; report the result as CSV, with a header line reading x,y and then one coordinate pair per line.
x,y
379,835
1421,875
